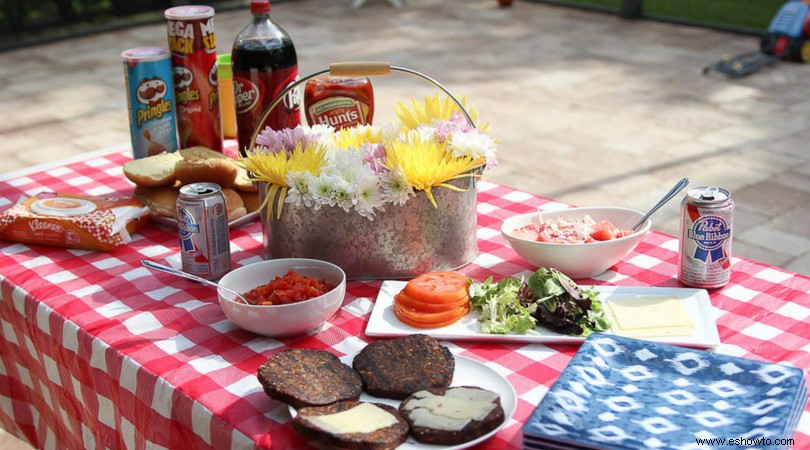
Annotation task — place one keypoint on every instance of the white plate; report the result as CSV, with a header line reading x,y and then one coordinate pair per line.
x,y
696,301
468,373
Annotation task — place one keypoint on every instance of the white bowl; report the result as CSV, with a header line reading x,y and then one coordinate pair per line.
x,y
577,260
282,320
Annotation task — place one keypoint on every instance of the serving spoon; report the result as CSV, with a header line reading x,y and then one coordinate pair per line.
x,y
672,193
171,270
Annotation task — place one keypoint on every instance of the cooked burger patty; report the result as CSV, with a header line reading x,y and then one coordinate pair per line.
x,y
353,425
397,368
452,416
308,377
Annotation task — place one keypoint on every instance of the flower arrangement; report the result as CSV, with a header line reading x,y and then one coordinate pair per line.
x,y
365,168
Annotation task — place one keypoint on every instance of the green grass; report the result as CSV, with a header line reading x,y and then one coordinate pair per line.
x,y
749,15
754,14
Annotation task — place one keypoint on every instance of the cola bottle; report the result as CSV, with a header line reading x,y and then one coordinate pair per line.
x,y
264,63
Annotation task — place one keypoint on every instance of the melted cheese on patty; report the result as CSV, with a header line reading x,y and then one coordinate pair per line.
x,y
363,418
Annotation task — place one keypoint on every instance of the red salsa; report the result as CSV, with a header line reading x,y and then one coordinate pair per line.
x,y
291,288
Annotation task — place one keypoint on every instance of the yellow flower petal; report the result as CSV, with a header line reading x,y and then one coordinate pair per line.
x,y
427,163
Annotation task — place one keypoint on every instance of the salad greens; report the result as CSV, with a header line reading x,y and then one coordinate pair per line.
x,y
549,298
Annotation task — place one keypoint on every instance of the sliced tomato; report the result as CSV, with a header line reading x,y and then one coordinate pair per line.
x,y
406,301
437,287
429,320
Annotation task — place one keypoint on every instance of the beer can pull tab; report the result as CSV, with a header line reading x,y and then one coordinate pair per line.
x,y
710,193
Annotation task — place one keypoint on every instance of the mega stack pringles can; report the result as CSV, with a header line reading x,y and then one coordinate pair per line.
x,y
194,69
707,220
148,73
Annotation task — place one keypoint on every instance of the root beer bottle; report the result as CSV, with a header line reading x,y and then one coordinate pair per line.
x,y
264,64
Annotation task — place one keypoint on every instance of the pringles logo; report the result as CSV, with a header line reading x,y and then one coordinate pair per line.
x,y
151,94
183,92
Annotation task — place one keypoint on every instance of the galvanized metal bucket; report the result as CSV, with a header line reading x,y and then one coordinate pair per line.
x,y
401,242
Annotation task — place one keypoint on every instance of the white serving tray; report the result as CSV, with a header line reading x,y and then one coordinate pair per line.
x,y
383,323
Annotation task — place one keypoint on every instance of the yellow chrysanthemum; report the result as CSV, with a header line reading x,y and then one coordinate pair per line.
x,y
439,108
427,163
354,137
272,168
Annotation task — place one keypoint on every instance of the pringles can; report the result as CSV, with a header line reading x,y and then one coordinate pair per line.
x,y
194,69
150,97
202,225
707,221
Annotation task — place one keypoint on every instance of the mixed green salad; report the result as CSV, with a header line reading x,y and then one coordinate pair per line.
x,y
548,298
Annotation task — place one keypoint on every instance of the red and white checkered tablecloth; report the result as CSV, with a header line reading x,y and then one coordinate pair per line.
x,y
99,352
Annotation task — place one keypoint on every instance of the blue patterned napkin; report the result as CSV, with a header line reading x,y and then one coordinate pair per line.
x,y
623,393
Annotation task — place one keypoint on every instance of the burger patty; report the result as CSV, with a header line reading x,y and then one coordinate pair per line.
x,y
388,434
308,377
452,416
397,368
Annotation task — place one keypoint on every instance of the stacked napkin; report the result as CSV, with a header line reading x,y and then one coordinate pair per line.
x,y
623,393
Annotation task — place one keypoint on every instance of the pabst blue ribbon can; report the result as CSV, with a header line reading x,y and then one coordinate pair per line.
x,y
194,70
202,224
148,73
707,221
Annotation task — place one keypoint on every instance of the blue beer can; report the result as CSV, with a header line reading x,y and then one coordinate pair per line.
x,y
150,95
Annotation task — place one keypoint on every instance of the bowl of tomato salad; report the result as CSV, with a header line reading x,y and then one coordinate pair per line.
x,y
579,242
286,297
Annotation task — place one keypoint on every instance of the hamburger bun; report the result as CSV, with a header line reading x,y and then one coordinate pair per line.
x,y
243,183
152,171
251,199
234,204
162,201
202,164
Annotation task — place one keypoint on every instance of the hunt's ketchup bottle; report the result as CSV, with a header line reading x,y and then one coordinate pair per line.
x,y
264,64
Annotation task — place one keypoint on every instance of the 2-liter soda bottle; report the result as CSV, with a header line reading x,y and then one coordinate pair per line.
x,y
264,64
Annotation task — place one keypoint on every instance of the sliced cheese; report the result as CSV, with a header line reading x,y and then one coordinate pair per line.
x,y
453,410
650,316
363,418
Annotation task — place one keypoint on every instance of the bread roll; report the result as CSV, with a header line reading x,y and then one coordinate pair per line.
x,y
201,164
162,201
243,183
251,200
152,171
234,204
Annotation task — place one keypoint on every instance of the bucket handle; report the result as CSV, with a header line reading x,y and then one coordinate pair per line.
x,y
350,69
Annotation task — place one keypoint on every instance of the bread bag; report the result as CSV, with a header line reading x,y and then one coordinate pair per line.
x,y
73,221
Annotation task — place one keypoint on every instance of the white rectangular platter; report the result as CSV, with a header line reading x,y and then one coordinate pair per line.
x,y
383,323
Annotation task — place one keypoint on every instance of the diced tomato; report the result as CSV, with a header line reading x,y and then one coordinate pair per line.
x,y
291,288
605,231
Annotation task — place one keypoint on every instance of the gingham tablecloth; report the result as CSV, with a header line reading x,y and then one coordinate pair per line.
x,y
99,352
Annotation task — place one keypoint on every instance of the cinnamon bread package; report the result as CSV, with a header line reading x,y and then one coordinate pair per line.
x,y
73,221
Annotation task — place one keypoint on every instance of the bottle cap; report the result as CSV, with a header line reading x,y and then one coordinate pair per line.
x,y
224,66
259,6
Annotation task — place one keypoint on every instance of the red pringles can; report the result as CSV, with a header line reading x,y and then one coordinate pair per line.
x,y
194,71
707,221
